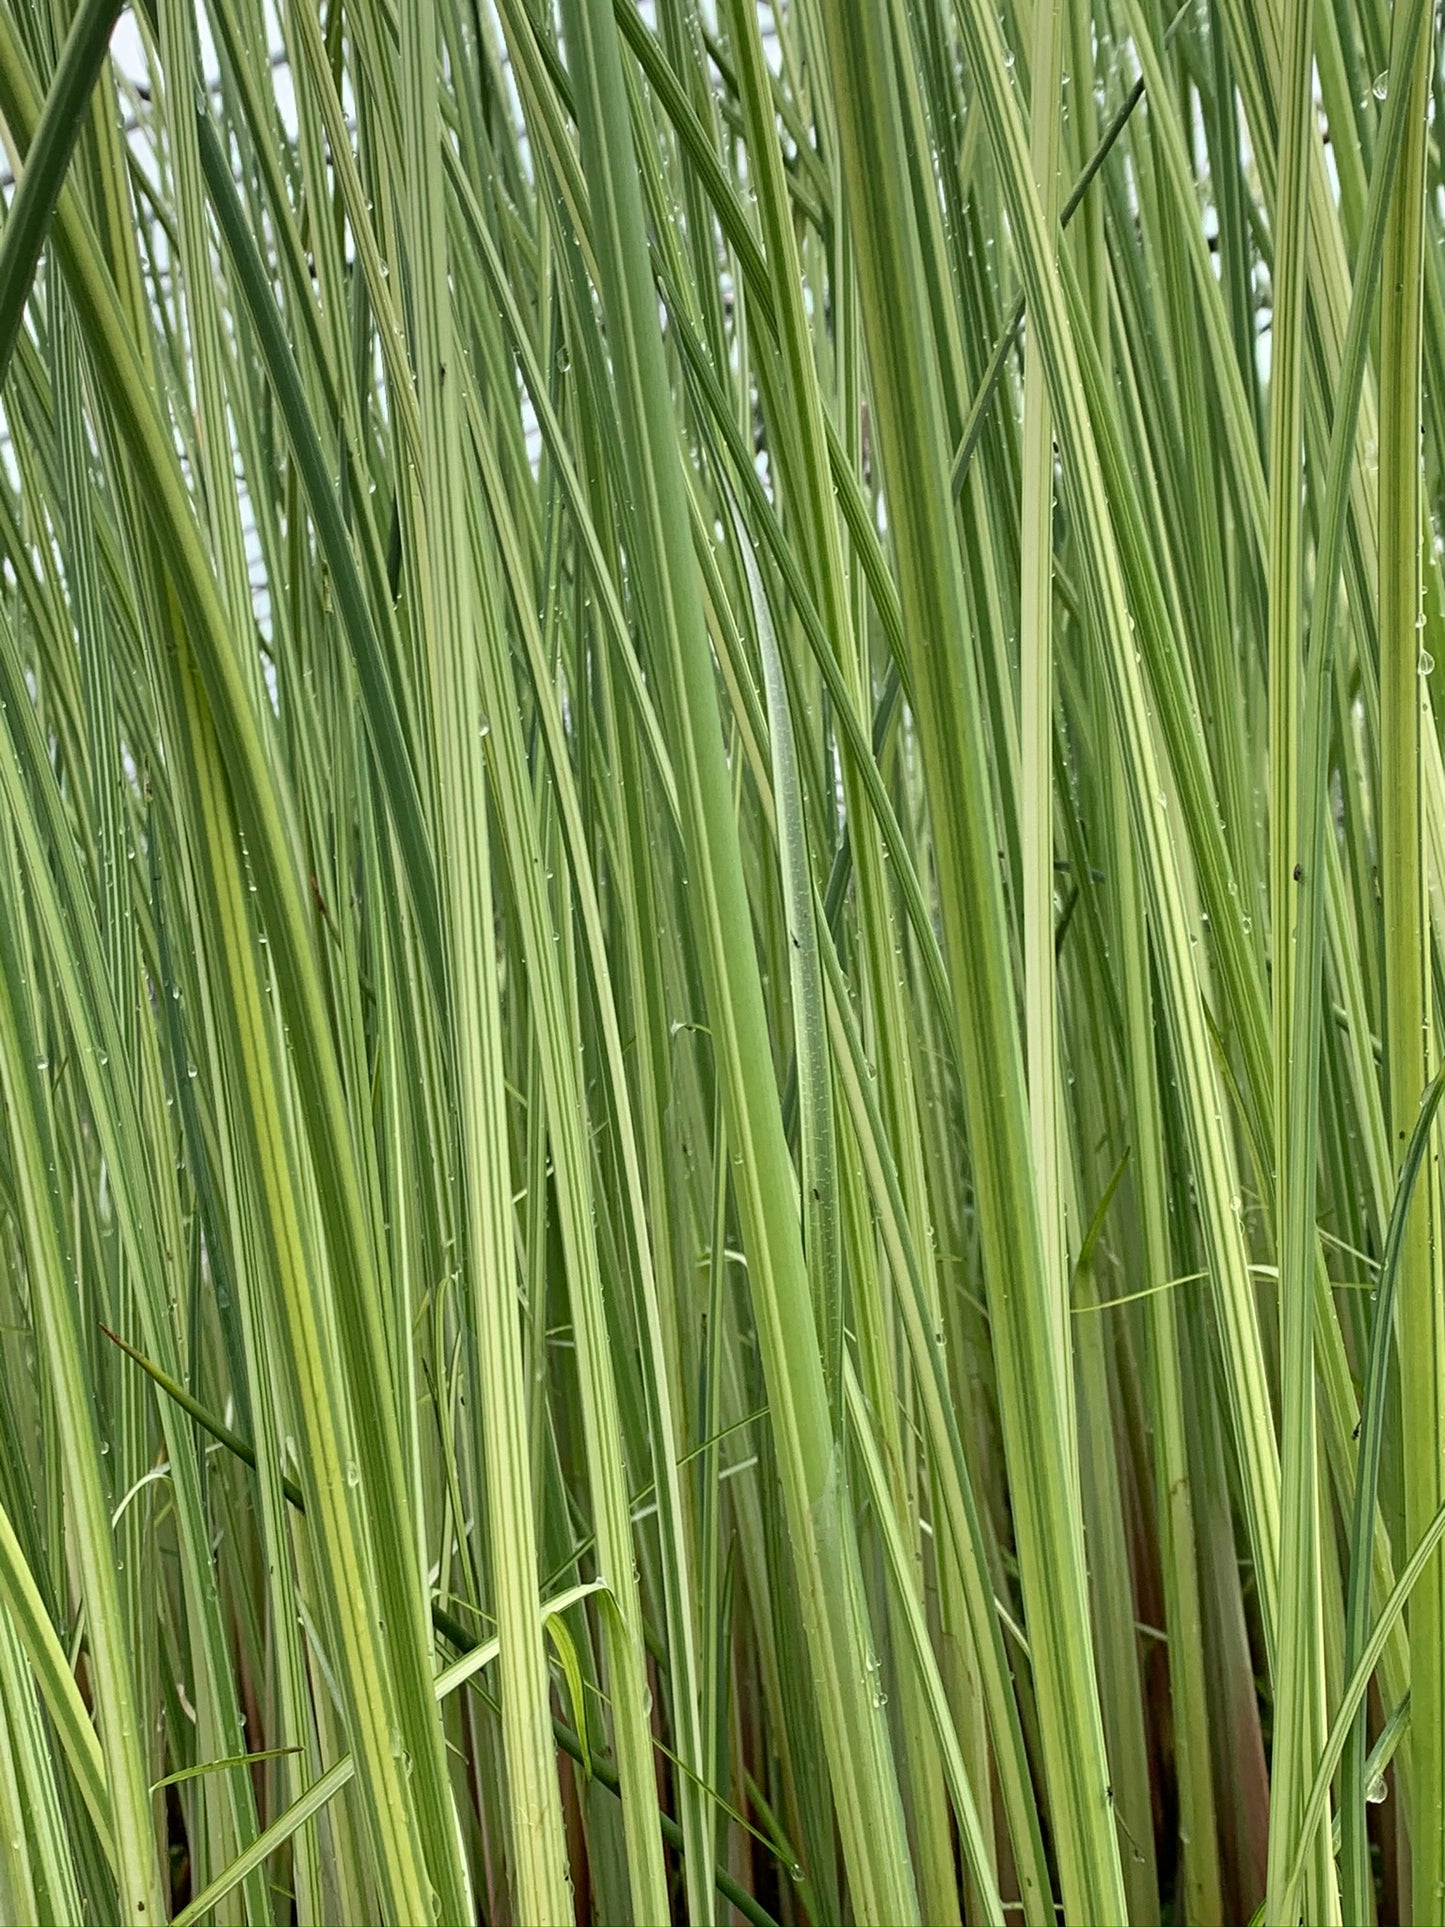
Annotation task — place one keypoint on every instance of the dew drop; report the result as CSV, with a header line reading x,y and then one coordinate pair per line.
x,y
1382,85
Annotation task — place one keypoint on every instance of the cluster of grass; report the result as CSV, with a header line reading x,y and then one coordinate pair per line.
x,y
722,953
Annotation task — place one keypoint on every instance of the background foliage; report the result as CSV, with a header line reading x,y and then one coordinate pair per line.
x,y
721,935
